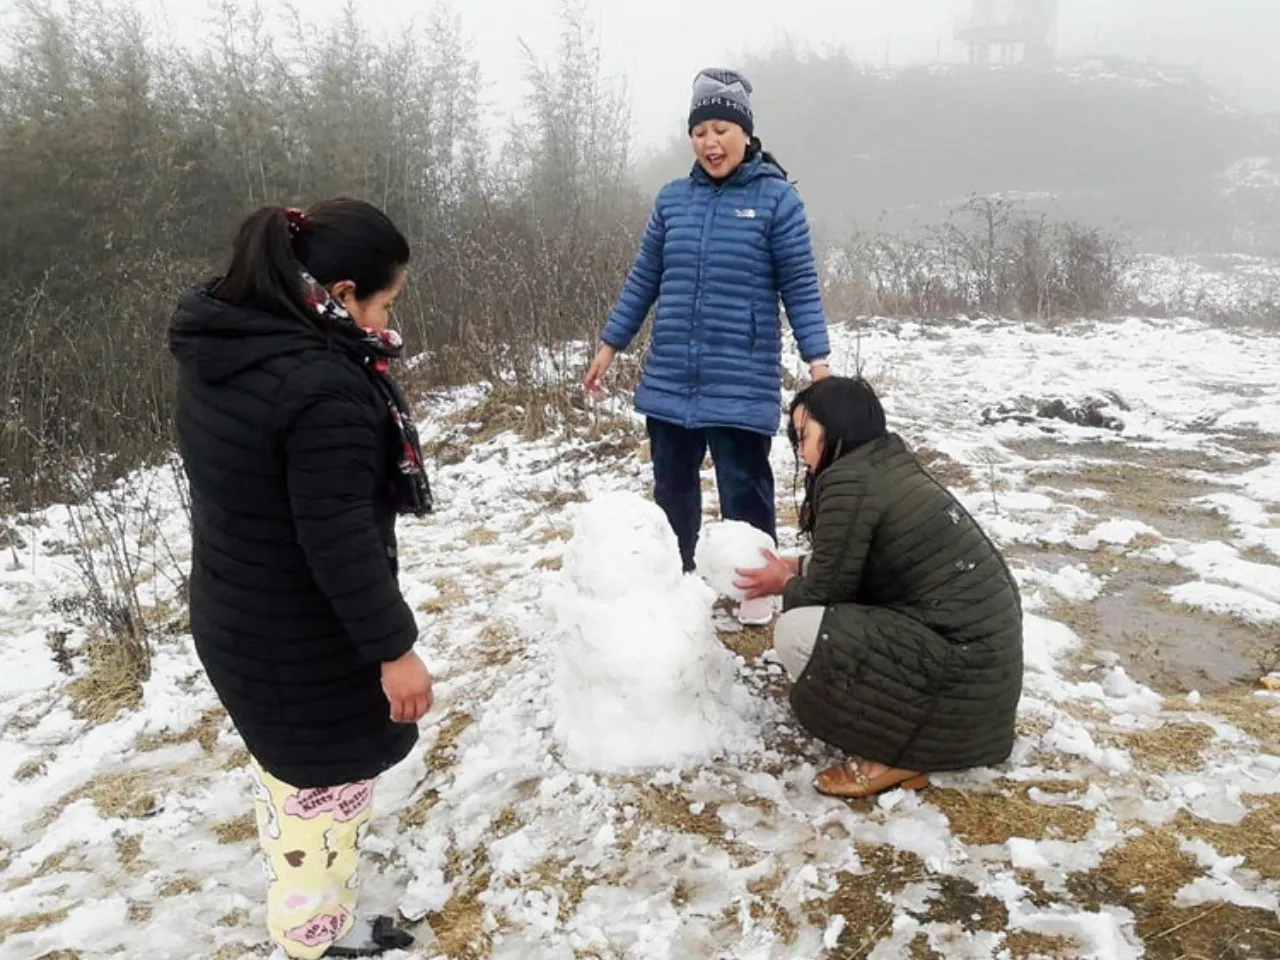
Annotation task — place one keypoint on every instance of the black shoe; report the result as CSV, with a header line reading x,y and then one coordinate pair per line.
x,y
385,936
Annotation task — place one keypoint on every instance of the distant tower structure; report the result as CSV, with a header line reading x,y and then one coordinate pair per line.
x,y
1021,31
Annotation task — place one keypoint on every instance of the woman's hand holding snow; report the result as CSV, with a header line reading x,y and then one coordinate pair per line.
x,y
726,549
769,580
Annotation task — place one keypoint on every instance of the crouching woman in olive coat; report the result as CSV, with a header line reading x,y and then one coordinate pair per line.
x,y
902,630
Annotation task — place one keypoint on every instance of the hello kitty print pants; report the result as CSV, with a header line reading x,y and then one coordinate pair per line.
x,y
311,838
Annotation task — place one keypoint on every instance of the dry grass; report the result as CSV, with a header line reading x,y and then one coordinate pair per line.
x,y
123,795
555,499
1172,747
1243,707
550,563
1037,946
236,918
50,864
459,926
180,887
240,830
948,472
449,594
204,732
139,912
1256,837
669,808
31,922
35,767
750,643
235,951
238,758
440,757
994,818
59,955
1144,875
862,898
497,645
112,681
481,537
128,850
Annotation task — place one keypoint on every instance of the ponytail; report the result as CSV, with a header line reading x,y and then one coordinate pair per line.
x,y
756,149
339,239
265,273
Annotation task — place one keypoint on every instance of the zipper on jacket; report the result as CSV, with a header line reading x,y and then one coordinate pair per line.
x,y
695,350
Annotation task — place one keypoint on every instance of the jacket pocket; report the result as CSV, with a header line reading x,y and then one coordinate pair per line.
x,y
751,346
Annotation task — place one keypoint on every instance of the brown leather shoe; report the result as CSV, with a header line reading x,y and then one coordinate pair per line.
x,y
849,781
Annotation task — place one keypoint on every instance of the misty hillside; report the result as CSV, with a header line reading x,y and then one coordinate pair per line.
x,y
1155,151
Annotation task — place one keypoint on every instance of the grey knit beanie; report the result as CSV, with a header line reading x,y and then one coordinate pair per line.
x,y
721,95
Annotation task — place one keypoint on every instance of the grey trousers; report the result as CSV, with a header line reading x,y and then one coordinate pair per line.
x,y
795,636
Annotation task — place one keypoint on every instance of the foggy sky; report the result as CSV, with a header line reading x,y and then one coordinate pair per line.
x,y
658,45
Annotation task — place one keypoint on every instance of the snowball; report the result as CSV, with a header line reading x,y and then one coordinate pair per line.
x,y
727,546
641,680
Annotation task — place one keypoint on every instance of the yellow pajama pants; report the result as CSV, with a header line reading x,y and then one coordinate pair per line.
x,y
311,841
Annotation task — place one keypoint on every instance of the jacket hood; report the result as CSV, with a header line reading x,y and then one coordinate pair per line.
x,y
753,168
216,340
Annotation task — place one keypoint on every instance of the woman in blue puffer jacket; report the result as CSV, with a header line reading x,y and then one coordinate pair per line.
x,y
722,246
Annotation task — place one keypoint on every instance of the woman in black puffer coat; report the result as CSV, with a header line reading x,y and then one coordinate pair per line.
x,y
300,453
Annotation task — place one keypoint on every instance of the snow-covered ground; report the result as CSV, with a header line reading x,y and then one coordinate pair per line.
x,y
1134,818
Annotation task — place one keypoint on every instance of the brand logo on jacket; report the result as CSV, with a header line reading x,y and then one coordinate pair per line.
x,y
746,214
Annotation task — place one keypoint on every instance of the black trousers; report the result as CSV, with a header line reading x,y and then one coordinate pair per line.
x,y
744,478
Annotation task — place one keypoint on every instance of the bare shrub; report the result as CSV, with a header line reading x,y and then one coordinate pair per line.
x,y
126,164
990,257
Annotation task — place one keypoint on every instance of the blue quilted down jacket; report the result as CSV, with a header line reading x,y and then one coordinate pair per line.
x,y
716,257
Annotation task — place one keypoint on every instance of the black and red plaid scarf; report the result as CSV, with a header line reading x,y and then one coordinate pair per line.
x,y
374,350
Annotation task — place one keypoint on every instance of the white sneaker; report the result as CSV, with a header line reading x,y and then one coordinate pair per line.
x,y
756,613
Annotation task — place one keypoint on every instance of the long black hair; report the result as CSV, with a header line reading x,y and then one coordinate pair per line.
x,y
339,239
851,416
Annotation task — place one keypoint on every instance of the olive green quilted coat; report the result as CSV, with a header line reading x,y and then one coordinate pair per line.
x,y
918,662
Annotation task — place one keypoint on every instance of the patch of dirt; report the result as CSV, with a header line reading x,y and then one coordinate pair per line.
x,y
993,818
1169,648
1174,649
